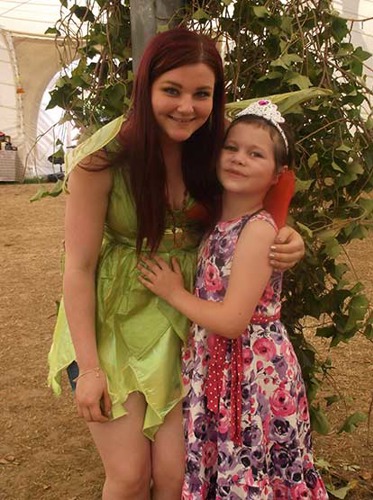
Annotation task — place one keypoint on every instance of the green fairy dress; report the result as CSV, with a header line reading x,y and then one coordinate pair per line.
x,y
139,336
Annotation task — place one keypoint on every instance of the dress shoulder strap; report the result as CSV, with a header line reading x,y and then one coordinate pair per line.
x,y
263,215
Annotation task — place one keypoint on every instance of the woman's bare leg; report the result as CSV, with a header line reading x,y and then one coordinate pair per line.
x,y
125,453
168,456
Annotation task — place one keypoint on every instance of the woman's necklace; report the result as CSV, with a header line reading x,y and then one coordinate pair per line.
x,y
177,220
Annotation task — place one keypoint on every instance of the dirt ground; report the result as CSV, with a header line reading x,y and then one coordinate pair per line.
x,y
45,450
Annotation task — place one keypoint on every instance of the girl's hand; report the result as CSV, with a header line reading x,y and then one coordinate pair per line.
x,y
288,249
92,398
160,278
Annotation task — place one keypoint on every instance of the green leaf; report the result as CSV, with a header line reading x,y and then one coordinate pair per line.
x,y
359,232
368,332
337,340
362,55
345,49
301,186
286,60
369,123
326,332
261,12
346,179
357,68
341,493
83,13
344,147
312,160
271,75
332,399
200,14
287,24
340,270
57,155
301,81
161,28
367,204
351,423
43,193
305,229
333,248
358,307
339,28
356,167
321,463
319,420
52,31
336,167
357,288
312,388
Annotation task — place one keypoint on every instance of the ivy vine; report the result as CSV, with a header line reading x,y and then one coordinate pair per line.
x,y
269,47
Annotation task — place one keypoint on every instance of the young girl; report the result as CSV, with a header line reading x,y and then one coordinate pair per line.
x,y
246,414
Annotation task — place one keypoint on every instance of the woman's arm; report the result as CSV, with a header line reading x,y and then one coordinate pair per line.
x,y
287,250
86,207
249,276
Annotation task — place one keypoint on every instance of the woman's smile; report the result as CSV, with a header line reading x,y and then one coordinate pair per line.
x,y
182,100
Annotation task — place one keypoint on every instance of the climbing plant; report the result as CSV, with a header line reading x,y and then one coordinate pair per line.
x,y
269,47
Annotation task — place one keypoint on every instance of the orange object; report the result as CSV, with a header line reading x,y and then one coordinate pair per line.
x,y
278,198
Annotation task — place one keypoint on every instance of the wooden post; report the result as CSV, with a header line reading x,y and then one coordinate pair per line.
x,y
143,27
168,12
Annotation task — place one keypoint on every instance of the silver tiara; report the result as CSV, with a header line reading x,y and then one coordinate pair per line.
x,y
267,110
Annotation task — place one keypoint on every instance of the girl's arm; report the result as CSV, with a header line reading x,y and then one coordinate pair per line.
x,y
287,250
249,276
86,207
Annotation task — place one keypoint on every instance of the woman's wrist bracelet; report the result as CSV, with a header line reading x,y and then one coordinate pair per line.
x,y
96,370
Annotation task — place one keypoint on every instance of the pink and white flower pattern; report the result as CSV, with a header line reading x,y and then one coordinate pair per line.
x,y
275,458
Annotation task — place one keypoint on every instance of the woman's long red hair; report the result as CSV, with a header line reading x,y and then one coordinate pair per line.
x,y
140,135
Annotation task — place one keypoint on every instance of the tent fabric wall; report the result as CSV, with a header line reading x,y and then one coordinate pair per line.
x,y
28,63
35,56
10,105
29,60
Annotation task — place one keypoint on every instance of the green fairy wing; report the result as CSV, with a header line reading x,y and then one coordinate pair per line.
x,y
101,138
287,103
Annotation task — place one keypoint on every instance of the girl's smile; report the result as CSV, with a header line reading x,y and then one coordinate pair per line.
x,y
247,162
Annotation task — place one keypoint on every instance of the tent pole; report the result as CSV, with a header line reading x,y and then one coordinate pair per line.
x,y
148,17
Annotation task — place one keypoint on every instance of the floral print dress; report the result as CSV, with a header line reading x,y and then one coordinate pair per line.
x,y
272,458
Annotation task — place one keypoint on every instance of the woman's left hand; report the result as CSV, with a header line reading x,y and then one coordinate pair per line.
x,y
287,250
159,277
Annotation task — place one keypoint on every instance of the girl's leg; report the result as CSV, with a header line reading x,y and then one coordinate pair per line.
x,y
125,453
168,455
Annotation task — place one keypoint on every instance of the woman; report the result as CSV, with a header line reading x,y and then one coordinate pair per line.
x,y
146,184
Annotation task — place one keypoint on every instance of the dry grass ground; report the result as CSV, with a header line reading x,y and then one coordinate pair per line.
x,y
45,450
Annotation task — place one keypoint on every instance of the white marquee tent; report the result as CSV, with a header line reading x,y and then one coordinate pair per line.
x,y
29,64
29,61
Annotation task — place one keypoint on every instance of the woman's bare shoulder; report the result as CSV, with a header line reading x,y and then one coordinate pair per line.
x,y
96,161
